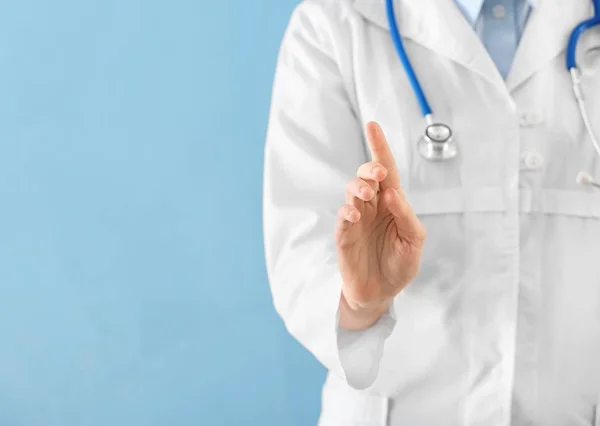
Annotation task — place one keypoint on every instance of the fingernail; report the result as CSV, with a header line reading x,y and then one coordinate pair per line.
x,y
366,192
377,169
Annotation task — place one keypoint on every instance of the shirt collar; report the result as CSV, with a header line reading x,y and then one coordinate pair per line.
x,y
472,8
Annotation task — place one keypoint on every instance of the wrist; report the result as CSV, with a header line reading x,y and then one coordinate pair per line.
x,y
354,317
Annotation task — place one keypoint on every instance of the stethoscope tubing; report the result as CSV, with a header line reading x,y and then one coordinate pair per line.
x,y
426,110
444,150
410,72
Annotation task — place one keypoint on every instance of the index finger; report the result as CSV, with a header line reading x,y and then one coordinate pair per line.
x,y
382,153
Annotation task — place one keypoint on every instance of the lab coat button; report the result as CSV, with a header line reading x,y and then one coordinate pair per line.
x,y
532,160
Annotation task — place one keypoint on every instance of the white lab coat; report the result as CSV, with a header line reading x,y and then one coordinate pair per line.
x,y
502,324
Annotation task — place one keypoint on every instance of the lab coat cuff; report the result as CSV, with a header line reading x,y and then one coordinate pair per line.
x,y
360,351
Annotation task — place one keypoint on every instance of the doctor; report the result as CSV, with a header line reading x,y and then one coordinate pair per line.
x,y
448,277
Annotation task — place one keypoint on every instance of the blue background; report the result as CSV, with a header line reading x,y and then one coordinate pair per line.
x,y
132,281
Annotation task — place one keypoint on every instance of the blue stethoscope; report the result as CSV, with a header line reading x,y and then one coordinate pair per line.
x,y
437,143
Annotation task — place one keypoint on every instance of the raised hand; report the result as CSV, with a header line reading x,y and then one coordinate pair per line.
x,y
378,236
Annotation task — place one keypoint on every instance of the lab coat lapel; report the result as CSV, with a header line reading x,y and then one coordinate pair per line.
x,y
439,26
546,36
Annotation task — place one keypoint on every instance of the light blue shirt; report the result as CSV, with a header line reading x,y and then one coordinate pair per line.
x,y
499,24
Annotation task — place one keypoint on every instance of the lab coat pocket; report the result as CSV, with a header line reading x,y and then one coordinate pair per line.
x,y
452,217
344,406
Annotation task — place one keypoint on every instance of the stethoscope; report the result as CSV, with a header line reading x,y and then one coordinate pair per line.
x,y
437,142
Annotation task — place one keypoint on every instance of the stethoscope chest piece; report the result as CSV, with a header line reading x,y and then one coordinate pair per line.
x,y
437,144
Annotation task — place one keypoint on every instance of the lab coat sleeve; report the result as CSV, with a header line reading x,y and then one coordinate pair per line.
x,y
314,147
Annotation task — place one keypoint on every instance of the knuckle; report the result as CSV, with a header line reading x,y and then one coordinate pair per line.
x,y
373,184
362,169
357,184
